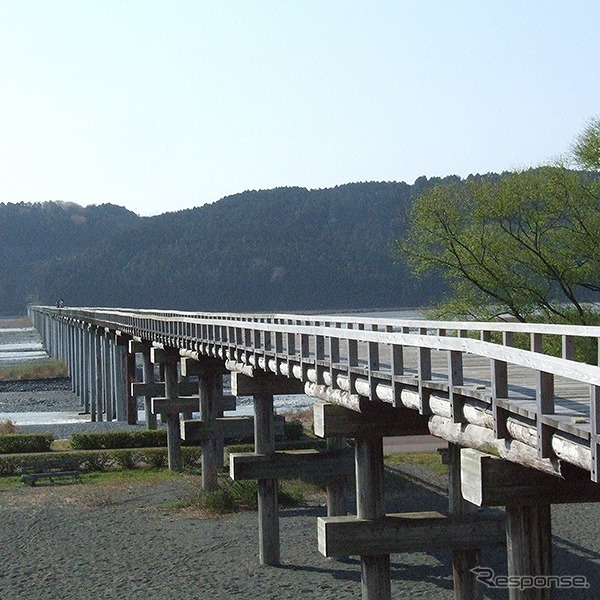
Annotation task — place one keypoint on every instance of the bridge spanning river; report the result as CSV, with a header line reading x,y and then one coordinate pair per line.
x,y
514,397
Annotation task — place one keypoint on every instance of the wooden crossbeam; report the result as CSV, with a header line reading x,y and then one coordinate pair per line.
x,y
490,481
168,406
191,366
383,420
164,355
138,347
224,428
157,389
185,404
268,383
306,465
407,532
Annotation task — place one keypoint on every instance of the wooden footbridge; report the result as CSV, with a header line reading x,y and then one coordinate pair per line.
x,y
520,412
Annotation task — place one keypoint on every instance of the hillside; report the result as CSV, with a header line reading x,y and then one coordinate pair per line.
x,y
33,235
284,249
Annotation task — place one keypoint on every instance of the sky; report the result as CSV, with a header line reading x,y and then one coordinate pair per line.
x,y
162,105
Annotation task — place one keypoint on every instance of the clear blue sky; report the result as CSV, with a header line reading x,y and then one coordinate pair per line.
x,y
168,104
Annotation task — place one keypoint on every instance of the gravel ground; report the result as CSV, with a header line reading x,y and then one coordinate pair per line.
x,y
89,541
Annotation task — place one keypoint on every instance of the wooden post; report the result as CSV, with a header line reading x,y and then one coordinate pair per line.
x,y
170,360
99,381
375,569
529,547
87,378
130,371
148,378
268,506
210,466
466,586
336,485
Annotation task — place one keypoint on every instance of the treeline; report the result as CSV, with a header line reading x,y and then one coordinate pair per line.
x,y
286,249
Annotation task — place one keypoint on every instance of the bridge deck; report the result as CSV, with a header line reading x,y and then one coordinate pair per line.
x,y
537,407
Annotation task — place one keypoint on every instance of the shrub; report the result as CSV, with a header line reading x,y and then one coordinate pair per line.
x,y
235,496
294,430
125,459
101,460
119,439
16,443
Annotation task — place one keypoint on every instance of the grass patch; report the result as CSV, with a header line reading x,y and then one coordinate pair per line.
x,y
144,475
430,460
12,481
239,496
42,369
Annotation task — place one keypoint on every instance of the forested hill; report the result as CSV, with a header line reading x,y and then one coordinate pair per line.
x,y
275,250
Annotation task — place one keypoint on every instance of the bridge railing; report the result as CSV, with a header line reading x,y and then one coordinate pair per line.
x,y
376,357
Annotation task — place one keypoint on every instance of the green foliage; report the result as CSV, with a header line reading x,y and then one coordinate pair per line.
x,y
236,496
119,439
525,244
339,238
431,460
15,443
586,149
101,460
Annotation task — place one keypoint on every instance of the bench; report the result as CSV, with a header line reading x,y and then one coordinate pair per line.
x,y
51,470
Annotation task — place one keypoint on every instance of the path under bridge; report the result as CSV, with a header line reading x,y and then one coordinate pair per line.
x,y
518,406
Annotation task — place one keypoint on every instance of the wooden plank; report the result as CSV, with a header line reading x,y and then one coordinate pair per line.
x,y
225,428
307,465
378,420
407,532
490,481
242,385
190,403
157,389
175,405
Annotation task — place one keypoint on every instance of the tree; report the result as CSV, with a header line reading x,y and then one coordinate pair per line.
x,y
526,243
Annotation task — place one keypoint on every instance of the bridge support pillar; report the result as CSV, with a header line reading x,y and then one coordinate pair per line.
x,y
374,535
466,586
211,462
86,384
374,568
268,503
527,495
148,377
529,547
122,379
99,380
169,358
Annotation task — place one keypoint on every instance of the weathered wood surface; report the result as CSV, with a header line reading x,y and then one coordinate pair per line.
x,y
421,365
407,532
309,465
157,388
190,403
225,428
489,481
